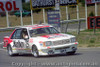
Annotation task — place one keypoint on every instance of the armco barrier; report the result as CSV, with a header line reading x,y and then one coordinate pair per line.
x,y
64,21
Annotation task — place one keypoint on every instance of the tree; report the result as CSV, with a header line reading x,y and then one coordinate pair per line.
x,y
91,14
26,6
83,2
23,1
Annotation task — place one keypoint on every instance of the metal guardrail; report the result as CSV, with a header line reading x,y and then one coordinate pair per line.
x,y
73,20
70,21
64,21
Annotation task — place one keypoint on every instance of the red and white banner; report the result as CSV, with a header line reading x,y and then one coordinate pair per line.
x,y
92,1
10,5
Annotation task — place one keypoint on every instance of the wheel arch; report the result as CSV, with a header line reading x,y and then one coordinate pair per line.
x,y
33,46
8,45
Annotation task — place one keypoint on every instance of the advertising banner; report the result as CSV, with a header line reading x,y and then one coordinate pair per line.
x,y
94,21
68,2
92,1
37,4
54,18
42,3
10,5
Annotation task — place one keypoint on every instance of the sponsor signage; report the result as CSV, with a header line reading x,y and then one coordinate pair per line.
x,y
92,1
42,3
54,18
94,21
50,3
68,2
10,5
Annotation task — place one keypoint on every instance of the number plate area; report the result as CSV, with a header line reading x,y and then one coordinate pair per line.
x,y
63,49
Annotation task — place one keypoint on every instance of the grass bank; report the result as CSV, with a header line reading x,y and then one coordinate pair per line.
x,y
87,38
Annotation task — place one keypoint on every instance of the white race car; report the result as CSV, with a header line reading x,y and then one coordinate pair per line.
x,y
39,40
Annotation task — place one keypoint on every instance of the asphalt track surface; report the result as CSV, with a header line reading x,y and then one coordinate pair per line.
x,y
84,57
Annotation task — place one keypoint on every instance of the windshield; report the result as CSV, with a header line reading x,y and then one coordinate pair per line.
x,y
43,31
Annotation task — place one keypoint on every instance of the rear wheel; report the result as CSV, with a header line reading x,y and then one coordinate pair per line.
x,y
9,50
35,51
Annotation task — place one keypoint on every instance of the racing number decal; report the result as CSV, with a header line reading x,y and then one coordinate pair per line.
x,y
18,44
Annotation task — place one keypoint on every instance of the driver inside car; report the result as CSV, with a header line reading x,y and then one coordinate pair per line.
x,y
24,34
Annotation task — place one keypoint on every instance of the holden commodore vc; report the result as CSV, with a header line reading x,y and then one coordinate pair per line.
x,y
39,40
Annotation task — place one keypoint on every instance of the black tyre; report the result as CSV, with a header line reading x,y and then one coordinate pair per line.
x,y
9,50
71,53
35,51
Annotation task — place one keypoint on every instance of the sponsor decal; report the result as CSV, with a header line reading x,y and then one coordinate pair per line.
x,y
41,43
30,40
18,44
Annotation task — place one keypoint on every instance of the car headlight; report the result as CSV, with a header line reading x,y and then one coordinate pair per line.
x,y
73,40
45,44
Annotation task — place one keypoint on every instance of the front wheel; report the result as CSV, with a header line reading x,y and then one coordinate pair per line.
x,y
9,50
71,53
35,51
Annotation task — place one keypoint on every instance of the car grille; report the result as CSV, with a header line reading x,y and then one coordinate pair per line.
x,y
61,42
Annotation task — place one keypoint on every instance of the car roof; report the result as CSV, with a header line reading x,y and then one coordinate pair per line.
x,y
36,26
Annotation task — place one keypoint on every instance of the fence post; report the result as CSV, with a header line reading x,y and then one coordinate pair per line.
x,y
78,32
96,11
44,15
79,27
61,26
7,19
67,12
32,16
86,13
66,26
21,18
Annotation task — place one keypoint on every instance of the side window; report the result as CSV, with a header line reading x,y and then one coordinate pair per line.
x,y
17,34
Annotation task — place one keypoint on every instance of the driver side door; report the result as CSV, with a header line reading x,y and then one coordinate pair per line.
x,y
19,43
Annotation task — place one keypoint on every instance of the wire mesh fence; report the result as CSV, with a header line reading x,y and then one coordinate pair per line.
x,y
37,17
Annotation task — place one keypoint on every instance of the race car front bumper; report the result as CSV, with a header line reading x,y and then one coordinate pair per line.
x,y
61,49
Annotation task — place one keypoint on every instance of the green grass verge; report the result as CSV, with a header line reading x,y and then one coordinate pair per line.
x,y
87,38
